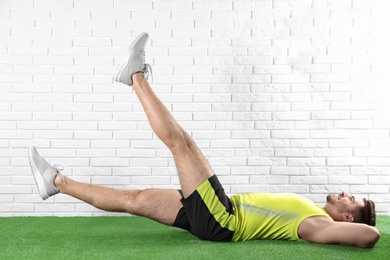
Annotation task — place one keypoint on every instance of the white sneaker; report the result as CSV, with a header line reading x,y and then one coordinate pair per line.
x,y
134,61
44,174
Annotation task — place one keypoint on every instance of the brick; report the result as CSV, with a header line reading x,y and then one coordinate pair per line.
x,y
234,107
91,42
293,152
66,51
269,179
19,134
379,180
5,162
271,32
32,107
15,189
133,5
329,171
30,32
117,125
51,134
9,78
258,116
349,180
250,134
71,88
293,78
212,116
37,125
17,209
274,125
227,161
71,14
250,170
353,124
211,134
150,180
231,15
249,79
230,144
290,134
345,161
219,5
100,135
267,161
5,13
93,116
134,153
109,162
235,125
4,32
8,125
106,5
308,179
15,116
329,189
95,98
357,189
147,144
306,161
335,115
72,32
232,33
216,61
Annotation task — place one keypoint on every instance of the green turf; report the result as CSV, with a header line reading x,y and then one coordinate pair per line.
x,y
139,238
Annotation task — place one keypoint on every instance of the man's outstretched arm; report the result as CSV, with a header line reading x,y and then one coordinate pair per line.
x,y
326,231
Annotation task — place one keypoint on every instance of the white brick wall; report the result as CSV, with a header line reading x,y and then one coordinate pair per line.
x,y
279,94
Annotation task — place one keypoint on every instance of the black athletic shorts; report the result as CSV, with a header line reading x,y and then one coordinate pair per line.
x,y
207,213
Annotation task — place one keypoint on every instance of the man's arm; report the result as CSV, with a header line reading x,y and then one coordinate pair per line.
x,y
326,231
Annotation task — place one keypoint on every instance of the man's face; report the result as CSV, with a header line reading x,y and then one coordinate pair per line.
x,y
341,203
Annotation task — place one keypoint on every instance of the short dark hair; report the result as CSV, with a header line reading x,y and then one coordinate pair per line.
x,y
366,214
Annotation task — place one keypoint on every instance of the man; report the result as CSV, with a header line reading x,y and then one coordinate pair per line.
x,y
201,206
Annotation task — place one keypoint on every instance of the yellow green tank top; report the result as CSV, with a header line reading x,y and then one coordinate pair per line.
x,y
271,215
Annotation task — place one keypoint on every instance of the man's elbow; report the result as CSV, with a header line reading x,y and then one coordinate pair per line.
x,y
371,238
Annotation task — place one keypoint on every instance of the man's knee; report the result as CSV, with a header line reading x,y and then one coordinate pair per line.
x,y
132,201
182,142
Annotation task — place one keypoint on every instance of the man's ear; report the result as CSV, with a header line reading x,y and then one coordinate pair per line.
x,y
348,217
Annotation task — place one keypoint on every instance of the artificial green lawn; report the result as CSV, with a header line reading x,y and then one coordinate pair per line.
x,y
140,238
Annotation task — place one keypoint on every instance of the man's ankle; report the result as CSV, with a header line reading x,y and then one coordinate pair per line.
x,y
137,77
59,181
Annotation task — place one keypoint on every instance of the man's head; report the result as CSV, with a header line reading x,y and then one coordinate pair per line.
x,y
344,207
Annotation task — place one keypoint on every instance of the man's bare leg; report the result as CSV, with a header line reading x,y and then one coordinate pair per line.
x,y
159,205
192,166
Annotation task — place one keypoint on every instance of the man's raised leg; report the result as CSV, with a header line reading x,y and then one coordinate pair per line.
x,y
192,166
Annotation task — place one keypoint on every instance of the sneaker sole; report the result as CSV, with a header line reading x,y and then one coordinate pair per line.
x,y
126,59
38,177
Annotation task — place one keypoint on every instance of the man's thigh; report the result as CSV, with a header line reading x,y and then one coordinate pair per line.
x,y
193,168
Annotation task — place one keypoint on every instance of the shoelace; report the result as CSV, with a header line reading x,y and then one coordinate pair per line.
x,y
147,69
148,74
